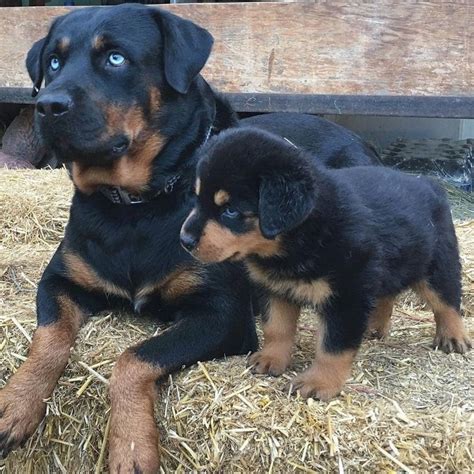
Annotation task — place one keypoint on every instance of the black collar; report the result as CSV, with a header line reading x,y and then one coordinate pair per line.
x,y
118,195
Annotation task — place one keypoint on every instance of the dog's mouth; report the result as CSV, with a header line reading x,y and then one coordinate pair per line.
x,y
99,153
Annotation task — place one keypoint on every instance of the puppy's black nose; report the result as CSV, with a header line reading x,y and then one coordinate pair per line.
x,y
188,241
53,105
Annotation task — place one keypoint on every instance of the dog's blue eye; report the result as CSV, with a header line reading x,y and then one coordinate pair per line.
x,y
230,213
54,63
116,59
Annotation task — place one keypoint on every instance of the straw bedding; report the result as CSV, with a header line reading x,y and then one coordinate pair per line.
x,y
406,407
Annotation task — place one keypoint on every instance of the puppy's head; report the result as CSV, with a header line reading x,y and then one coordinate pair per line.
x,y
251,188
112,79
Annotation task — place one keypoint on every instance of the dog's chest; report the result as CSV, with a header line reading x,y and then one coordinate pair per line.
x,y
300,291
136,261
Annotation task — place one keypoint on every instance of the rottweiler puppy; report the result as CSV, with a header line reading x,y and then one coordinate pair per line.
x,y
344,241
125,109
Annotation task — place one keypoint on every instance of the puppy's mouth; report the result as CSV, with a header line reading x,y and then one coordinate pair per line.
x,y
206,258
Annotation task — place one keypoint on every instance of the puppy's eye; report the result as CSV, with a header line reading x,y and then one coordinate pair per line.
x,y
116,59
54,63
230,213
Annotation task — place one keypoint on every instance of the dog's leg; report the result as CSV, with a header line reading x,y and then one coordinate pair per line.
x,y
343,323
22,400
451,335
200,334
379,320
279,328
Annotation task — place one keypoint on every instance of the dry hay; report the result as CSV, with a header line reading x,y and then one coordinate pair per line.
x,y
406,408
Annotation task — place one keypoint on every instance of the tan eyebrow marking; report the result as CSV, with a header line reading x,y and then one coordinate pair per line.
x,y
63,44
98,42
221,197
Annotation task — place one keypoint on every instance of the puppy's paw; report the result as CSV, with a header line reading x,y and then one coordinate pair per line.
x,y
273,363
312,383
378,331
133,455
20,414
448,343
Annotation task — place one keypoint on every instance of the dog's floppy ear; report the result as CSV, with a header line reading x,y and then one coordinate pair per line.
x,y
34,65
186,49
285,201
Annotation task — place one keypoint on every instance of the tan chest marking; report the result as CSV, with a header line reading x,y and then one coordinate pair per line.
x,y
85,276
313,292
179,283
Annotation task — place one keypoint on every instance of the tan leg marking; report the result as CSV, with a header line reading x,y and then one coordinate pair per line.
x,y
379,320
451,335
279,335
22,405
134,441
328,373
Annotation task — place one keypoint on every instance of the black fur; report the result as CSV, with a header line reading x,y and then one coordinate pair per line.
x,y
131,247
371,232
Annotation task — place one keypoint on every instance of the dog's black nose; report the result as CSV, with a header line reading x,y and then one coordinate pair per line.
x,y
53,105
188,241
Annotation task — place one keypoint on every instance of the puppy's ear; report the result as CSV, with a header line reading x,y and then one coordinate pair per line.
x,y
285,201
186,49
34,65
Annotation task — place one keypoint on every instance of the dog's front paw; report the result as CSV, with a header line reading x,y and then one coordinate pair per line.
x,y
273,363
452,342
312,383
133,440
21,411
133,453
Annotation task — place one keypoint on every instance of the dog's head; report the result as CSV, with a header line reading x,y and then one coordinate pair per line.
x,y
112,76
251,188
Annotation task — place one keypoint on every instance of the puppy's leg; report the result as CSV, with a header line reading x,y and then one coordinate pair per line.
x,y
279,329
200,335
343,323
22,401
379,320
441,288
451,335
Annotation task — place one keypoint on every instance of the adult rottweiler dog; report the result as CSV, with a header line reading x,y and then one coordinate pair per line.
x,y
125,108
347,241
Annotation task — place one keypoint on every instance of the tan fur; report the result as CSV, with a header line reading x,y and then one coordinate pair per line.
x,y
180,282
314,292
328,373
22,400
221,197
197,187
85,276
155,99
134,440
98,42
133,170
279,331
379,320
218,243
451,335
63,44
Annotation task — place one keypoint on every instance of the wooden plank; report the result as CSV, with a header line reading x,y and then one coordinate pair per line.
x,y
391,106
379,48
